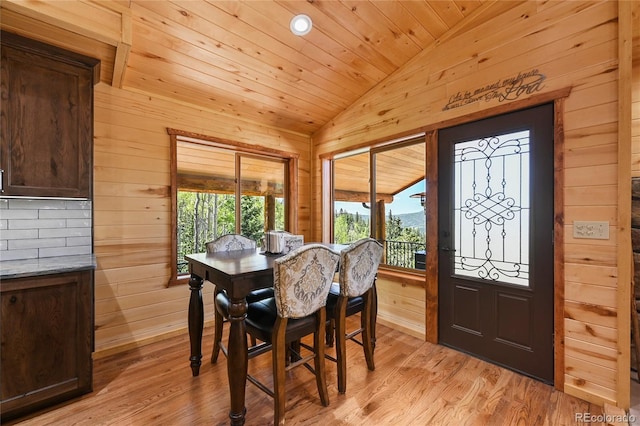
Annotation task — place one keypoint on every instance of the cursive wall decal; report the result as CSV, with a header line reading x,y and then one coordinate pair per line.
x,y
509,89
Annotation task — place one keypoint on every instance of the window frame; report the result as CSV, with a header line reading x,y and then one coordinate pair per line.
x,y
239,189
373,152
291,174
373,149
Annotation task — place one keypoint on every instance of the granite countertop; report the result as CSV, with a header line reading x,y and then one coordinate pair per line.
x,y
46,265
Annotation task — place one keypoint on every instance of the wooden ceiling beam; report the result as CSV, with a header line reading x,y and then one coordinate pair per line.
x,y
224,185
359,197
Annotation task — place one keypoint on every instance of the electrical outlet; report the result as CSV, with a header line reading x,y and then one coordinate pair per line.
x,y
591,229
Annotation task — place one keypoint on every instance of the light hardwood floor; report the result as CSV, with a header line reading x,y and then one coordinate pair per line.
x,y
415,383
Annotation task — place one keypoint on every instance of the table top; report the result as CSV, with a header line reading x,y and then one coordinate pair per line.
x,y
241,262
235,262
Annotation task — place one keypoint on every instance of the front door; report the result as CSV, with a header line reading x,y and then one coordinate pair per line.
x,y
496,240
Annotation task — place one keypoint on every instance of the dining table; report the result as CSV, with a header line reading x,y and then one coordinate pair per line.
x,y
237,273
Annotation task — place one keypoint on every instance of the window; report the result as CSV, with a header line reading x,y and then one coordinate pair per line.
x,y
224,187
395,173
351,197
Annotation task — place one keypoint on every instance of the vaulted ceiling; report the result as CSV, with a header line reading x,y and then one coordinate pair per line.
x,y
239,58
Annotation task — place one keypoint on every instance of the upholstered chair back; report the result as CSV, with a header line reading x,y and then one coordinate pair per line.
x,y
230,242
358,266
302,280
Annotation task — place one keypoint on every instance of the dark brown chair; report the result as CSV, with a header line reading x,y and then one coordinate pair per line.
x,y
229,242
301,283
355,292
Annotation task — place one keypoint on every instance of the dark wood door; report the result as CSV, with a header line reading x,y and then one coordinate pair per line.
x,y
46,127
496,240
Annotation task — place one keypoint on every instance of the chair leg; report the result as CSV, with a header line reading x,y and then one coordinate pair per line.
x,y
295,351
340,336
366,324
374,313
318,349
279,355
217,334
331,325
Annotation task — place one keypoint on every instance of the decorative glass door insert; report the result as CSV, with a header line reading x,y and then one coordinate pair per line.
x,y
492,207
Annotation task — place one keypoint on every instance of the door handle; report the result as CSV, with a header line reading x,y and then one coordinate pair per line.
x,y
447,249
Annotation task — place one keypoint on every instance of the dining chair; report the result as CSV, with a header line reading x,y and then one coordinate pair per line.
x,y
354,292
229,242
301,283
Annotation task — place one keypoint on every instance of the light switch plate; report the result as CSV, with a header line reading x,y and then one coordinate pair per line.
x,y
591,229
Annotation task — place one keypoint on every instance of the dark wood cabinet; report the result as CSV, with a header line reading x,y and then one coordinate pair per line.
x,y
46,120
47,340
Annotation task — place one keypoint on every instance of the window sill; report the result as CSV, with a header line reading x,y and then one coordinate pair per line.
x,y
416,279
182,279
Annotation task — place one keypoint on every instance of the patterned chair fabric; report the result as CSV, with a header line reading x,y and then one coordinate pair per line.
x,y
230,242
358,266
302,280
225,243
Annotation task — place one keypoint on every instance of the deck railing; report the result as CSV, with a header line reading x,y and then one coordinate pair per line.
x,y
402,253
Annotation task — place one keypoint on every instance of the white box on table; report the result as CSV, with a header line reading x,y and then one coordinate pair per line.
x,y
282,242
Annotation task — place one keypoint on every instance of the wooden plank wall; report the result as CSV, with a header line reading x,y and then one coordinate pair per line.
x,y
132,210
575,45
401,302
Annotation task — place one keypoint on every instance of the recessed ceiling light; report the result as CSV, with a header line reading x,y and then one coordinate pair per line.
x,y
300,25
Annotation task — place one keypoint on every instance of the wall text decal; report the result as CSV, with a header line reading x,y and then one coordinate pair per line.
x,y
509,89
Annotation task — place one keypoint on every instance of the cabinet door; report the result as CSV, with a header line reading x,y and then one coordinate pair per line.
x,y
47,123
47,340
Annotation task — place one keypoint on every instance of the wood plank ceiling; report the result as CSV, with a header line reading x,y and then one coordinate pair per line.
x,y
240,58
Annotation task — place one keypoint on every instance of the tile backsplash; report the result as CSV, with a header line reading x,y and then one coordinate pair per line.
x,y
36,228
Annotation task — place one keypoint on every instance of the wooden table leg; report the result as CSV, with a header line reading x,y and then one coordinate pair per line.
x,y
238,360
196,323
